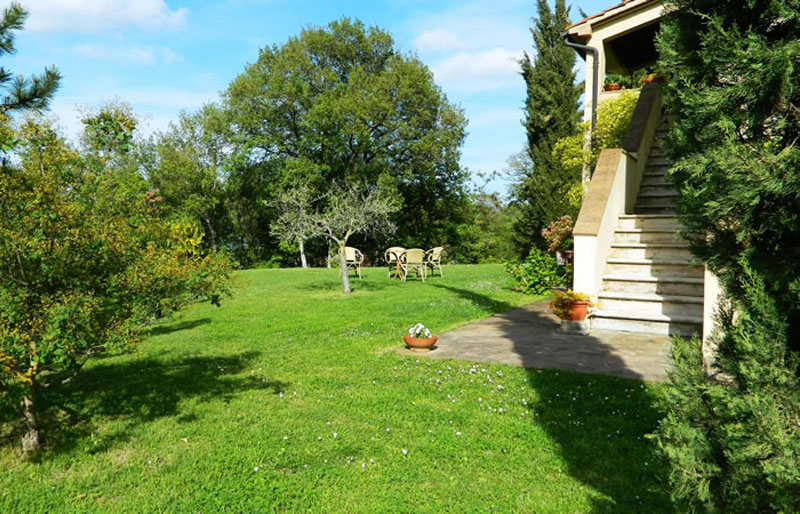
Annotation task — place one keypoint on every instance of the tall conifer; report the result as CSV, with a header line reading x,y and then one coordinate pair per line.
x,y
734,444
551,112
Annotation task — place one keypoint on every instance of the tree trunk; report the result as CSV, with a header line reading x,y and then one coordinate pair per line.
x,y
30,425
328,258
212,234
302,253
343,269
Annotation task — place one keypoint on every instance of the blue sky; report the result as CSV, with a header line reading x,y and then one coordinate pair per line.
x,y
165,56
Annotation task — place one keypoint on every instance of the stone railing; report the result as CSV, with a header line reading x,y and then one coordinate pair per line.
x,y
613,191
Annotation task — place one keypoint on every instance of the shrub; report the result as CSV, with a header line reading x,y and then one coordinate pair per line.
x,y
537,274
733,444
613,118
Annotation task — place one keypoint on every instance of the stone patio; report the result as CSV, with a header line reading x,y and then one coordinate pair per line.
x,y
527,337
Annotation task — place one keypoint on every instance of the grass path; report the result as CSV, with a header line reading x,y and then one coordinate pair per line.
x,y
293,397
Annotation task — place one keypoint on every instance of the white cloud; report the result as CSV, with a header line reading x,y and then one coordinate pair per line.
x,y
478,71
147,56
100,15
437,39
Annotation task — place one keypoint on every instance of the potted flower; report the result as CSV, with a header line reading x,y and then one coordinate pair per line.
x,y
419,339
571,306
648,77
613,82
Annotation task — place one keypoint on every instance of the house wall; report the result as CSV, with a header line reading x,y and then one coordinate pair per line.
x,y
610,29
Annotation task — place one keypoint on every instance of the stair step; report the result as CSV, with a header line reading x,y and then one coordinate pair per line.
x,y
659,194
650,250
658,161
655,184
648,221
667,285
650,298
645,304
637,235
650,324
655,209
656,268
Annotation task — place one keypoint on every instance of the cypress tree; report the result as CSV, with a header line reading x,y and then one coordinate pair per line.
x,y
551,113
734,444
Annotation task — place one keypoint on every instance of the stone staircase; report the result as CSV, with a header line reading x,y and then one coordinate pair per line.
x,y
652,283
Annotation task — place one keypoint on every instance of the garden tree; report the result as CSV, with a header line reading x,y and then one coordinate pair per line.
x,y
348,210
494,219
551,112
85,264
343,99
189,169
108,129
293,224
23,93
734,83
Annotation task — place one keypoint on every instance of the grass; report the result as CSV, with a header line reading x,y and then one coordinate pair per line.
x,y
293,397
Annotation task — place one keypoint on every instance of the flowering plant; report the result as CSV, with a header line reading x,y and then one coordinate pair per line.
x,y
561,304
419,331
558,235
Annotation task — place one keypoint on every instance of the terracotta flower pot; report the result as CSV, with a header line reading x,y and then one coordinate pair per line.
x,y
612,87
420,344
577,311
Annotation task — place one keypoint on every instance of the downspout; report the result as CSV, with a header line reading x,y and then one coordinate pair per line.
x,y
595,74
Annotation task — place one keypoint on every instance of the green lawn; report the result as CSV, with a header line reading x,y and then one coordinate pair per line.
x,y
293,397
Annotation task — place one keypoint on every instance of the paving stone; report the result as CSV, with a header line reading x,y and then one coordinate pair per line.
x,y
529,337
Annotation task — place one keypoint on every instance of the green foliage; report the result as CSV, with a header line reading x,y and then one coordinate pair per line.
x,y
108,130
495,220
187,166
551,113
23,93
626,81
538,274
613,117
214,393
340,104
733,444
86,261
735,85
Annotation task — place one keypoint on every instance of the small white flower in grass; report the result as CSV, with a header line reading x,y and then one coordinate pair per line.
x,y
458,434
335,435
363,465
319,438
255,469
372,461
404,451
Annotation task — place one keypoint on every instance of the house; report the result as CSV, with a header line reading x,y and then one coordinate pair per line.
x,y
627,250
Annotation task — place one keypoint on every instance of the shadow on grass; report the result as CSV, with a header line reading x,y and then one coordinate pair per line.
x,y
169,326
598,422
487,303
599,425
137,392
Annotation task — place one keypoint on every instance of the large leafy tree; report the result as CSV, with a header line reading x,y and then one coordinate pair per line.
x,y
551,113
344,102
733,438
188,166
